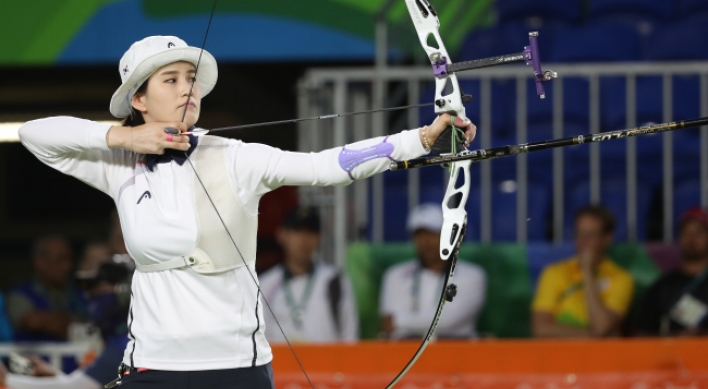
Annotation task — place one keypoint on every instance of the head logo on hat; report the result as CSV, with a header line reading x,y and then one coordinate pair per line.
x,y
146,56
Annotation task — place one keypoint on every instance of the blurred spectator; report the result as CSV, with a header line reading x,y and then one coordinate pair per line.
x,y
107,286
313,301
6,333
116,244
43,308
95,253
677,303
411,290
587,295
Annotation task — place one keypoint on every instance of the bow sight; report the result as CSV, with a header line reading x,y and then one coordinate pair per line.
x,y
530,55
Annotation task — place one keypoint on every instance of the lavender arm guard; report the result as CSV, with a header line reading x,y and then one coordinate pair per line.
x,y
349,159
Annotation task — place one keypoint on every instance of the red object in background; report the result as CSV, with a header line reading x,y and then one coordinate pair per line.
x,y
666,256
272,210
526,364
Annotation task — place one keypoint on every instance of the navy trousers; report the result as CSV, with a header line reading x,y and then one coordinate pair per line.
x,y
259,377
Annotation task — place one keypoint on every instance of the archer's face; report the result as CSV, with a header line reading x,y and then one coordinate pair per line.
x,y
166,95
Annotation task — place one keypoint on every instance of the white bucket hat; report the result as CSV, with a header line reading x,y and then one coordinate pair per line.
x,y
150,54
426,216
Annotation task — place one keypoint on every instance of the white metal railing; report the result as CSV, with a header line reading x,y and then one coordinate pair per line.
x,y
54,351
345,209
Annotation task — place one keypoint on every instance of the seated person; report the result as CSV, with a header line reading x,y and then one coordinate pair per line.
x,y
6,333
411,290
677,303
95,253
587,295
42,309
108,291
313,301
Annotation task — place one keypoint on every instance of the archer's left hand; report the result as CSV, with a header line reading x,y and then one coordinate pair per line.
x,y
443,121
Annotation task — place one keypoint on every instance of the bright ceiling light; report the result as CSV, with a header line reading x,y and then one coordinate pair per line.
x,y
8,131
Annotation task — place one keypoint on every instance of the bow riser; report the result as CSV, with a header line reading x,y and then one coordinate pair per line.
x,y
427,27
454,214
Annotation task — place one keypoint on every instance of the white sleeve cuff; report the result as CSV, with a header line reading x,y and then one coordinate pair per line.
x,y
96,136
410,146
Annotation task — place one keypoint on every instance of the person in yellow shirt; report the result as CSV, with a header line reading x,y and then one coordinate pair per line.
x,y
587,295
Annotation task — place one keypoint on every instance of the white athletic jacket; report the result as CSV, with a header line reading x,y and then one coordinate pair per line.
x,y
181,319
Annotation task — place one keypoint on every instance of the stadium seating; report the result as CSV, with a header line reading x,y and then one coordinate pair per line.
x,y
613,195
504,204
629,9
568,11
688,9
580,44
504,208
687,194
489,42
680,41
609,34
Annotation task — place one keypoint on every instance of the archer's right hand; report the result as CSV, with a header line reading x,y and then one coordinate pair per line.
x,y
149,138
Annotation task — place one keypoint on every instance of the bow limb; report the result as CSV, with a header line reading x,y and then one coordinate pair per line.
x,y
427,25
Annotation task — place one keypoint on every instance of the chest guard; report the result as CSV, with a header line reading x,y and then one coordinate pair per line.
x,y
215,252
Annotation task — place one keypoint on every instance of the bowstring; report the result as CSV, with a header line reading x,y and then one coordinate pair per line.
x,y
456,132
223,223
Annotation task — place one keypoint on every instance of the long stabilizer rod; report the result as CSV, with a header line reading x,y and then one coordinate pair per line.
x,y
511,150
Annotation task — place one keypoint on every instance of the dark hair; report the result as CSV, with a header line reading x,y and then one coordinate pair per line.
x,y
599,212
303,218
135,118
39,246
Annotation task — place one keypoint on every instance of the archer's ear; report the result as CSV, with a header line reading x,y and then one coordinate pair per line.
x,y
138,102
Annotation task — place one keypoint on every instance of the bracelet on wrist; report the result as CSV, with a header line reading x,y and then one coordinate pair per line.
x,y
424,133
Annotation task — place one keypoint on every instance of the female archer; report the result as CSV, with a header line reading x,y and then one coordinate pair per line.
x,y
188,207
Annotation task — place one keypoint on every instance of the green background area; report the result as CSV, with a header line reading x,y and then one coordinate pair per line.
x,y
37,31
506,313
